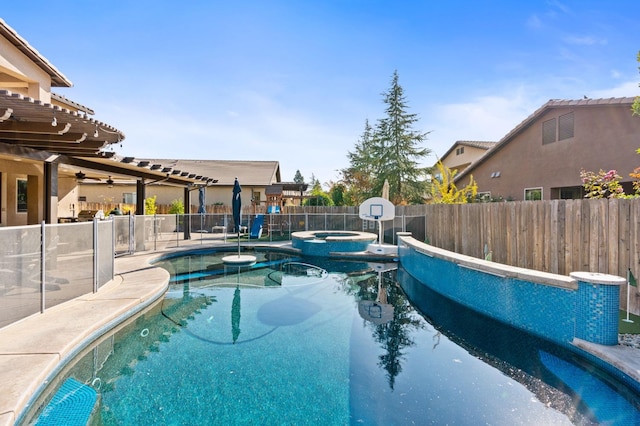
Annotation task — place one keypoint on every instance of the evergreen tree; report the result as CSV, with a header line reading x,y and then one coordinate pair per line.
x,y
298,178
396,150
390,151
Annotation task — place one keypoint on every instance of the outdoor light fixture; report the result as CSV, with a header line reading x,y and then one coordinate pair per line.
x,y
95,134
110,182
6,114
65,130
54,122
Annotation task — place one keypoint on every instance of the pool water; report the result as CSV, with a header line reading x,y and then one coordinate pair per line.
x,y
317,341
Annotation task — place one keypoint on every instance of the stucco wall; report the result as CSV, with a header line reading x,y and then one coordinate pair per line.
x,y
100,192
459,162
12,171
16,64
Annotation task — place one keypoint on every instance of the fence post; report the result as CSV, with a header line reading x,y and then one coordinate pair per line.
x,y
42,267
155,232
132,233
177,229
95,254
113,246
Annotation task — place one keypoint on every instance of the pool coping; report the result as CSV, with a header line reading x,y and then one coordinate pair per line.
x,y
35,349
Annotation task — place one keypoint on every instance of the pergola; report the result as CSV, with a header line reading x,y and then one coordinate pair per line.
x,y
37,132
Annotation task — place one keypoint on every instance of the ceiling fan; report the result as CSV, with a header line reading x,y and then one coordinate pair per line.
x,y
82,176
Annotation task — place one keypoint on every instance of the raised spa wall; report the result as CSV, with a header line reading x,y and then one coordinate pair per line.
x,y
556,307
323,243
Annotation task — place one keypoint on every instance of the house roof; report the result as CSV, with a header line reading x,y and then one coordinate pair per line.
x,y
249,173
551,104
475,144
57,78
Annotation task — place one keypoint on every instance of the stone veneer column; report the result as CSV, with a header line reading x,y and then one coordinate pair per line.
x,y
597,307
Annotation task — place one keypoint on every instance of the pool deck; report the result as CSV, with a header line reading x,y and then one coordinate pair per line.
x,y
32,350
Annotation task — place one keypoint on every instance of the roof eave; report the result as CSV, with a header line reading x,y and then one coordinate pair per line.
x,y
57,78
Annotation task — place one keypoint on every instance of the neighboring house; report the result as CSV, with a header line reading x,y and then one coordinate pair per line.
x,y
254,177
542,157
463,153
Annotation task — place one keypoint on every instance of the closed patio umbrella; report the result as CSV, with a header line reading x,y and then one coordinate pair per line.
x,y
202,196
236,205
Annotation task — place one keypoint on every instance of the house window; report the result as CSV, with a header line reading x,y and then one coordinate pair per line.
x,y
21,195
571,193
557,129
565,126
533,194
256,197
129,197
460,150
549,131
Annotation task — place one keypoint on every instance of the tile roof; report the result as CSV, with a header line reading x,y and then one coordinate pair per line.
x,y
259,173
476,144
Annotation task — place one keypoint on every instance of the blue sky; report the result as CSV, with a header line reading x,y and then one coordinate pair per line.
x,y
294,81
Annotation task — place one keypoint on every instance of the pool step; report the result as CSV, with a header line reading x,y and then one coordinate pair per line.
x,y
72,404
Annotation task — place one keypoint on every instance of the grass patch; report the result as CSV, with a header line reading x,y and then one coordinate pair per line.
x,y
629,327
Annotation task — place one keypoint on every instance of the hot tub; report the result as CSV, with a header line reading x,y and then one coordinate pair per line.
x,y
322,243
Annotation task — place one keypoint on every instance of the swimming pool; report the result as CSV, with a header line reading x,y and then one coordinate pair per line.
x,y
318,341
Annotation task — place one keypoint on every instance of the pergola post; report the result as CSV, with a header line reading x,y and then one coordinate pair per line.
x,y
140,196
187,213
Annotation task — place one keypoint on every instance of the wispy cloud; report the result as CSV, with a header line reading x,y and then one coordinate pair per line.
x,y
585,40
486,118
626,89
534,22
556,5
